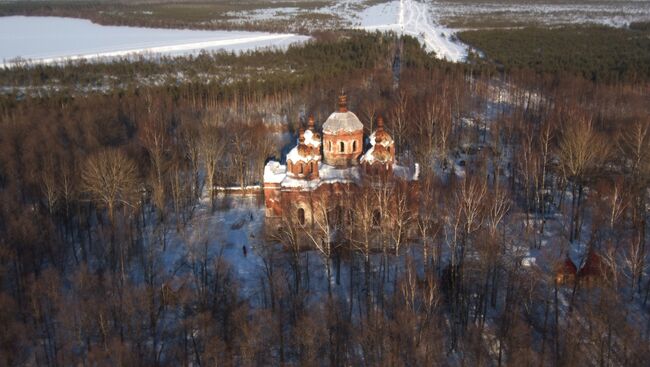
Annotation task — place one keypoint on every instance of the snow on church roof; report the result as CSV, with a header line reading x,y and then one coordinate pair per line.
x,y
312,139
295,156
342,122
274,172
387,141
328,175
369,156
307,149
379,152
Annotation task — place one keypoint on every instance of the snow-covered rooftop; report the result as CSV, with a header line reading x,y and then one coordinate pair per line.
x,y
312,139
294,156
382,152
331,174
387,141
342,122
275,173
368,156
327,175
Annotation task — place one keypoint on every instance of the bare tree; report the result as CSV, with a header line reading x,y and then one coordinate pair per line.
x,y
111,179
400,218
427,221
240,147
546,136
399,119
320,233
153,136
211,151
191,147
49,185
582,152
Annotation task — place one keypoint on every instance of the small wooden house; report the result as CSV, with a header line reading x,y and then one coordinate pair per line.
x,y
565,272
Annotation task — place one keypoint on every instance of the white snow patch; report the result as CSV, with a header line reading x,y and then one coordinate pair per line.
x,y
311,140
386,142
528,261
274,172
369,156
415,19
407,173
331,174
294,156
264,14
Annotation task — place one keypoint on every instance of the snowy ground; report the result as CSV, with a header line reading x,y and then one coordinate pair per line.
x,y
487,13
237,223
434,23
418,20
52,39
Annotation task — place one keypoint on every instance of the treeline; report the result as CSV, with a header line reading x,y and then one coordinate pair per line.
x,y
597,53
328,55
94,187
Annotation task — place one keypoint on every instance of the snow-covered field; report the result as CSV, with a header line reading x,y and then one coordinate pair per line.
x,y
418,20
434,23
52,39
471,13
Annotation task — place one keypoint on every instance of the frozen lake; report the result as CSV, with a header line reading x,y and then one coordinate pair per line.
x,y
51,39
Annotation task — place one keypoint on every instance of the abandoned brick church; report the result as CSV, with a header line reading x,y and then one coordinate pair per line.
x,y
324,177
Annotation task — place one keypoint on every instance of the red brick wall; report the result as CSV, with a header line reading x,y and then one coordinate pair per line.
x,y
307,170
334,156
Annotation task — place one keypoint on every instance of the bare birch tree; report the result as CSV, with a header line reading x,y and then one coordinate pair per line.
x,y
111,179
582,151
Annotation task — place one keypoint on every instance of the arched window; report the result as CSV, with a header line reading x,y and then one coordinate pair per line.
x,y
354,146
388,149
301,216
311,167
301,168
330,145
376,218
342,147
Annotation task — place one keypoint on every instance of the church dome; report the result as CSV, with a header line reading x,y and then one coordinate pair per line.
x,y
382,146
381,136
306,150
342,121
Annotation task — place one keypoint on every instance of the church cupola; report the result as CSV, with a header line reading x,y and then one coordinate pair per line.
x,y
381,155
303,159
343,103
342,136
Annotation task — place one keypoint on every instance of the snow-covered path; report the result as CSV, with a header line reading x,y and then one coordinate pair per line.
x,y
415,19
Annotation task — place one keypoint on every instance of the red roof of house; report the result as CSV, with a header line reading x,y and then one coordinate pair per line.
x,y
593,265
566,267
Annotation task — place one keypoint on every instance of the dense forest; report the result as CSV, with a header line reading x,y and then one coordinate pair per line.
x,y
597,53
330,54
97,189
